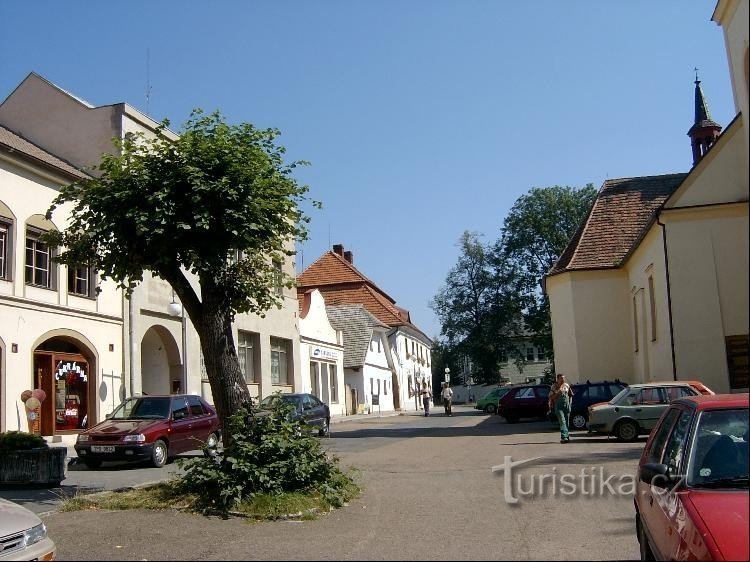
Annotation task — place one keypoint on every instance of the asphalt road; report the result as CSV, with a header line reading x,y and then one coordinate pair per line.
x,y
430,494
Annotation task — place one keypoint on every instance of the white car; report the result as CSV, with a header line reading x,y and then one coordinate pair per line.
x,y
23,536
636,409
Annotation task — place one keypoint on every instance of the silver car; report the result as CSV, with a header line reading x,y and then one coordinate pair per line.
x,y
636,409
23,536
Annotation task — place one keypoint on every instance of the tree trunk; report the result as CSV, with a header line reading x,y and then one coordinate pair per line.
x,y
228,385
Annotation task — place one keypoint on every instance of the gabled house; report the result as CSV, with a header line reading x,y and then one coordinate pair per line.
x,y
340,283
654,284
368,363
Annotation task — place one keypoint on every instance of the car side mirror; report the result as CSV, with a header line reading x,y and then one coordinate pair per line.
x,y
656,474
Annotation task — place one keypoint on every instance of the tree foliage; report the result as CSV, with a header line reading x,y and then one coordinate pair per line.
x,y
217,206
493,292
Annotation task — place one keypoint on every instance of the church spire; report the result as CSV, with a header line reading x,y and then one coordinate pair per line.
x,y
704,131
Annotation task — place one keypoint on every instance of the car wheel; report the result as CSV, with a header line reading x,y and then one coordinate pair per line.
x,y
490,408
326,429
159,454
578,421
626,430
645,548
212,441
92,463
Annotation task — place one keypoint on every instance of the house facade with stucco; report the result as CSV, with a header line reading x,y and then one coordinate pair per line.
x,y
654,284
150,345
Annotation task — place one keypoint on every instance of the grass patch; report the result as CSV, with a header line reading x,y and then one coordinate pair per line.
x,y
258,507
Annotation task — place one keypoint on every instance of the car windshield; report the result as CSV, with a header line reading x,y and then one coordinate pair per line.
x,y
143,408
619,396
719,456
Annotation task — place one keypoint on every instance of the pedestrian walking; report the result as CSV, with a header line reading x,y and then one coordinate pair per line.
x,y
426,397
447,395
559,399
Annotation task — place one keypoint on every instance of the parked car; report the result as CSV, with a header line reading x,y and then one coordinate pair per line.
x,y
636,409
23,536
585,395
151,428
307,407
488,402
524,401
691,496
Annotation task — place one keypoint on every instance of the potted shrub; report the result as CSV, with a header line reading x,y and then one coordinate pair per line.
x,y
27,459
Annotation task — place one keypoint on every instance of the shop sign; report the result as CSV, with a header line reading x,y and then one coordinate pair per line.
x,y
65,368
324,353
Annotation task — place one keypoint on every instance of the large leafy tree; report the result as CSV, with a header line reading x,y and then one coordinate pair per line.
x,y
214,213
477,307
535,233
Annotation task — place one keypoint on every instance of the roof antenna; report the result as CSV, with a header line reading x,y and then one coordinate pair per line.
x,y
148,77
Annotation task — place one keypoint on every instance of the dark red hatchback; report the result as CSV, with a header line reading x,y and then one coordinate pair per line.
x,y
692,492
150,428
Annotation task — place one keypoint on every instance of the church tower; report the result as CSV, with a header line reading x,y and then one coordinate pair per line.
x,y
704,131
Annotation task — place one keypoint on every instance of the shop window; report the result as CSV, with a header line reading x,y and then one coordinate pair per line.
x,y
334,384
71,395
279,361
314,388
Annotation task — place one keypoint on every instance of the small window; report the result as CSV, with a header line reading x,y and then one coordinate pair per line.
x,y
80,281
196,408
676,443
334,384
525,394
652,303
660,437
179,409
650,397
5,248
541,354
529,354
635,324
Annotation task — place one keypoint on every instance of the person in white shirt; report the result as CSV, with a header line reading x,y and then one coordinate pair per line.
x,y
447,395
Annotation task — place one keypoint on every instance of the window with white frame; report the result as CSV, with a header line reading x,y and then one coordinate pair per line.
x,y
529,354
541,354
81,281
279,364
5,248
39,267
246,355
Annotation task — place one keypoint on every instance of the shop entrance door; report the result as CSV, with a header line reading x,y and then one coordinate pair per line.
x,y
64,377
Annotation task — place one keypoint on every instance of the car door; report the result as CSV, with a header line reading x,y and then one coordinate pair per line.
x,y
181,426
541,404
667,513
522,404
649,406
312,410
201,422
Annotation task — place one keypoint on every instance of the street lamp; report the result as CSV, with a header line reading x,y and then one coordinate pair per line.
x,y
176,309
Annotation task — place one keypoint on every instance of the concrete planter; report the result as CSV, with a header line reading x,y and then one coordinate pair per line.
x,y
34,466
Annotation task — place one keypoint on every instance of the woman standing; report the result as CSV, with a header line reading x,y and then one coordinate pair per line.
x,y
559,399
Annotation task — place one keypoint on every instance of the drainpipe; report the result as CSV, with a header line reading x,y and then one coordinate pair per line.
x,y
131,343
669,292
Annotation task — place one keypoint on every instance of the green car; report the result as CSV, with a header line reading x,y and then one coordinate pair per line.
x,y
489,401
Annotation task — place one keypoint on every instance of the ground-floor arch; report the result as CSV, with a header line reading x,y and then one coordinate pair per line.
x,y
161,366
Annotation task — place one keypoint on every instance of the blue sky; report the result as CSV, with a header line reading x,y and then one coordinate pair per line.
x,y
421,119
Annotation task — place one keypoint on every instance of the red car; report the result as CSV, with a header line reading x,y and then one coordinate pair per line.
x,y
691,497
150,428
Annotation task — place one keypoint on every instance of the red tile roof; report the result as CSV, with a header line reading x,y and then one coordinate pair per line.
x,y
623,211
341,283
16,143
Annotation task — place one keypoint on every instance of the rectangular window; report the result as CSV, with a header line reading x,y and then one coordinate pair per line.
x,y
379,346
80,281
541,354
38,261
652,302
385,388
279,372
635,323
378,386
529,354
314,388
278,278
503,356
372,386
334,384
246,356
5,246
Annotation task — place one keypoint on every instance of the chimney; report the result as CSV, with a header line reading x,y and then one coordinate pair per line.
x,y
338,249
348,256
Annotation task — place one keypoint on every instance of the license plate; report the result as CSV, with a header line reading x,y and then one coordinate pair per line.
x,y
102,448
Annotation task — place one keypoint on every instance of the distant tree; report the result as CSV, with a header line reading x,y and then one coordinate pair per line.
x,y
219,202
477,307
535,232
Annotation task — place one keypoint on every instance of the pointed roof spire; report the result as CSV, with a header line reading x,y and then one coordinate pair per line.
x,y
702,114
